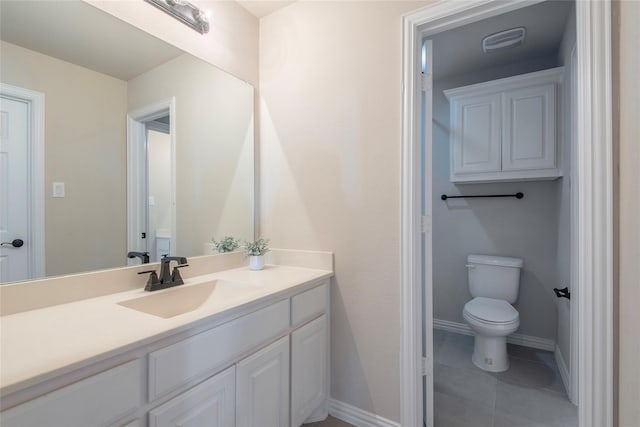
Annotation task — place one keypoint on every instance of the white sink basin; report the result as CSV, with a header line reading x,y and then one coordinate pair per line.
x,y
184,298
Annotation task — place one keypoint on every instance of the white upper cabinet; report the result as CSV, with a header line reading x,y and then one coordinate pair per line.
x,y
476,123
505,130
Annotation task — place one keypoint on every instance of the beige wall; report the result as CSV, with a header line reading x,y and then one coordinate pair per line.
x,y
627,56
231,44
85,149
330,82
214,148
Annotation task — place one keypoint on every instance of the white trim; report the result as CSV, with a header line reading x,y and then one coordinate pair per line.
x,y
595,215
595,208
411,399
36,238
517,339
136,177
574,345
357,416
562,367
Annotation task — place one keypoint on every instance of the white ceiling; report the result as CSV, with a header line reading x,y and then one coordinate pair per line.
x,y
260,8
459,51
77,32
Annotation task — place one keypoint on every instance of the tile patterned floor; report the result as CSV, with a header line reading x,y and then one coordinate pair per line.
x,y
529,394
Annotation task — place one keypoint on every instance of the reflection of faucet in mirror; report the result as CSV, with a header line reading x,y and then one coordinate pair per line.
x,y
168,278
144,256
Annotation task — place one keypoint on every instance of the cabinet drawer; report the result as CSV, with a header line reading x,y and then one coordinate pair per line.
x,y
95,401
308,304
215,349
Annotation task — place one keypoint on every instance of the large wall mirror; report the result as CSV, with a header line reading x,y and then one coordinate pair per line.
x,y
144,147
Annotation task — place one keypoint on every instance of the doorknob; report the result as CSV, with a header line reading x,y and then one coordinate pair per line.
x,y
16,243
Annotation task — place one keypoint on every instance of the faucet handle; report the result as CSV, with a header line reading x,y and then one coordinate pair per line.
x,y
152,281
175,274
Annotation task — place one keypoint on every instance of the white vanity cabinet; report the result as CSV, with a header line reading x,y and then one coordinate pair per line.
x,y
308,380
211,404
266,366
262,387
505,130
95,401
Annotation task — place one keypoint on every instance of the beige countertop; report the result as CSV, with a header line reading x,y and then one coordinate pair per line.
x,y
41,344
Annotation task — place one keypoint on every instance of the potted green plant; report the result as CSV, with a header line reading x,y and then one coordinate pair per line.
x,y
256,250
226,244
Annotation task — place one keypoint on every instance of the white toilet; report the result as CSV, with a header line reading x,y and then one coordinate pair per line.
x,y
494,283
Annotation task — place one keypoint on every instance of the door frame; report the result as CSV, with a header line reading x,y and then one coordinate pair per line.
x,y
594,173
36,239
136,176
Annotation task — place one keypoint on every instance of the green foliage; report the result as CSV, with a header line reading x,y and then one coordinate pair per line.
x,y
257,247
226,244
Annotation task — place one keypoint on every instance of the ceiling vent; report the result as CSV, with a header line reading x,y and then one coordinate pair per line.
x,y
504,39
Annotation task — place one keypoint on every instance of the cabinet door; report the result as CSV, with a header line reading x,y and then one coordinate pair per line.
x,y
308,369
210,404
529,139
475,135
262,395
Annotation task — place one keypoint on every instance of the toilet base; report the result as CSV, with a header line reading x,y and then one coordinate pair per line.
x,y
490,353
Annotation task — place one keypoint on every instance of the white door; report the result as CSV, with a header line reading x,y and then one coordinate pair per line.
x,y
427,304
529,128
210,404
308,369
475,128
14,189
262,388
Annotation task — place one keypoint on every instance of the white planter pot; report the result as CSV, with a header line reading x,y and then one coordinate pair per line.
x,y
256,262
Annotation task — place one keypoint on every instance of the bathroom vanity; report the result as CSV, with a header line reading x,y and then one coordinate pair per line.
x,y
240,347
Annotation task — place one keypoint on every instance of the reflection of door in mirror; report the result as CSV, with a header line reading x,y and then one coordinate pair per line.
x,y
21,210
158,189
151,178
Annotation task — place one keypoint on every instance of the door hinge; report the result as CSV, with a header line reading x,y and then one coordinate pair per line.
x,y
426,371
426,82
425,224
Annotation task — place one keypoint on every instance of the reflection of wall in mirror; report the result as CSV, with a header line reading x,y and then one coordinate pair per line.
x,y
89,157
159,165
214,148
231,44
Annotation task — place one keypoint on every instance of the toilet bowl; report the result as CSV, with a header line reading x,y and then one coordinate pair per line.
x,y
491,320
494,283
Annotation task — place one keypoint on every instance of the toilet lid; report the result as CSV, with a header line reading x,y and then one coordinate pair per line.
x,y
491,310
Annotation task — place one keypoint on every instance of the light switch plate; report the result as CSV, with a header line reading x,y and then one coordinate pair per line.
x,y
58,189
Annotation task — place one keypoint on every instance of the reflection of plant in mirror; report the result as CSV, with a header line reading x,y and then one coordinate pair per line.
x,y
226,244
257,247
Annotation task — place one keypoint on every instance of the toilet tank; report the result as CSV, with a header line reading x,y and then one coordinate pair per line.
x,y
494,277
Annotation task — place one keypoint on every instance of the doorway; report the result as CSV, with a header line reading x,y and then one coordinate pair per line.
x,y
21,184
478,88
593,213
151,190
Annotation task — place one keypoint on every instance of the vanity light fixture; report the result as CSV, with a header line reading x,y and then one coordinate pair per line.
x,y
185,12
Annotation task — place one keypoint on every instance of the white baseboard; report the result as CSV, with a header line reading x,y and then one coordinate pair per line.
x,y
357,416
564,372
518,339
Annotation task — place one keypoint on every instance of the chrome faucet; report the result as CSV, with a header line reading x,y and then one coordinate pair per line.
x,y
168,278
